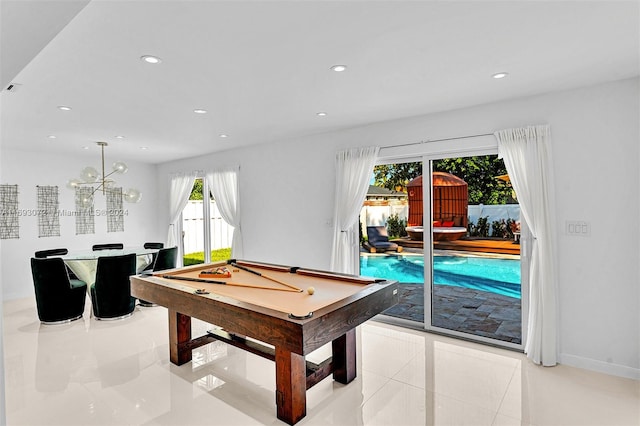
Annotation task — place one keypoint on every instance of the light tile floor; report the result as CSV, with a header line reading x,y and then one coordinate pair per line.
x,y
118,373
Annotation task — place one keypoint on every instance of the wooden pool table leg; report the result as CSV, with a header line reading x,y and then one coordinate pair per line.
x,y
291,386
344,357
179,335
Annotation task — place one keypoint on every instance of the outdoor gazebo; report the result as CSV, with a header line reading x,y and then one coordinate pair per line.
x,y
450,200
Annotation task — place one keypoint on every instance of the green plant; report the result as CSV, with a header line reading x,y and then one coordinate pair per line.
x,y
396,226
481,229
510,225
198,257
499,229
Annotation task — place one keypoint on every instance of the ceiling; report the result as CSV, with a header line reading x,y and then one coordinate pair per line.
x,y
261,69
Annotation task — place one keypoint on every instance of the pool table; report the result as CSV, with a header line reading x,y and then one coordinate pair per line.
x,y
270,310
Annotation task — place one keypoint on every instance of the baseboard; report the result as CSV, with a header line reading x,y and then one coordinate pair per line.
x,y
600,366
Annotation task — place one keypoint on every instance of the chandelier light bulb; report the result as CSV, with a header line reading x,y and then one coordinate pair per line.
x,y
132,195
120,167
89,174
73,183
85,201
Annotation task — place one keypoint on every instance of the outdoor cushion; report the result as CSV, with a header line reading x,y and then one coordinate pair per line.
x,y
379,238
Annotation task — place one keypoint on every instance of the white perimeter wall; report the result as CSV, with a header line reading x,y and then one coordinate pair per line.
x,y
28,169
287,197
193,227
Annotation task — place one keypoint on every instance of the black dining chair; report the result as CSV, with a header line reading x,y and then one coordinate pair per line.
x,y
111,293
166,258
59,299
53,252
154,255
153,245
43,254
109,246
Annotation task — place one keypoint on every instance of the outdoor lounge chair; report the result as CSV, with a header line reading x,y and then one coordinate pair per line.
x,y
379,240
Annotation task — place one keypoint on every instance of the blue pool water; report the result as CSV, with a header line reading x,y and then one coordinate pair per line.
x,y
500,276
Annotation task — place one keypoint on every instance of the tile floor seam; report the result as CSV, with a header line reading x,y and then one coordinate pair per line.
x,y
366,399
506,390
472,404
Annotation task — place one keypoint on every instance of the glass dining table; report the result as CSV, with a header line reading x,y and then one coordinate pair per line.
x,y
84,263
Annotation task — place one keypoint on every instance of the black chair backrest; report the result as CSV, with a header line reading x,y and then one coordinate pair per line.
x,y
53,252
112,289
56,298
166,259
153,245
377,234
109,246
113,269
49,274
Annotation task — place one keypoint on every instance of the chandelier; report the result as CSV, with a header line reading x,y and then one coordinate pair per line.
x,y
90,177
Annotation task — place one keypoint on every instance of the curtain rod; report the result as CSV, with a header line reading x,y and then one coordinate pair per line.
x,y
438,140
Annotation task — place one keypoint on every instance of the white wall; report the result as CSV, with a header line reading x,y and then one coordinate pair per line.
x,y
287,195
27,169
3,416
378,215
493,212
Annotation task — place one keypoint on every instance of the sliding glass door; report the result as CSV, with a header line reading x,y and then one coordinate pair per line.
x,y
473,263
459,263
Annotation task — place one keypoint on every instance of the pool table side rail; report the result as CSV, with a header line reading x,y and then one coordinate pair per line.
x,y
308,271
274,327
330,323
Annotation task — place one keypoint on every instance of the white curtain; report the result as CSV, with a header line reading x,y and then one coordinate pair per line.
x,y
354,168
179,190
225,189
527,157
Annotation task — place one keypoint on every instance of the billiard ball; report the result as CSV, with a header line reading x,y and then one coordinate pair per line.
x,y
311,290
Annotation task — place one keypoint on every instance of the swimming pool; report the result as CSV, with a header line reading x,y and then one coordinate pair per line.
x,y
496,275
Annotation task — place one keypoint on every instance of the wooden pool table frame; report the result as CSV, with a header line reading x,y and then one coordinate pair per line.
x,y
292,339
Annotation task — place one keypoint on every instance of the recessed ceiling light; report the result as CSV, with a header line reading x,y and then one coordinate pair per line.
x,y
64,108
500,75
150,59
52,136
321,114
144,148
85,147
338,68
224,136
119,137
200,111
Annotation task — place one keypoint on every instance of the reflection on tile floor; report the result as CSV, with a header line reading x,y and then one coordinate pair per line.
x,y
118,373
461,309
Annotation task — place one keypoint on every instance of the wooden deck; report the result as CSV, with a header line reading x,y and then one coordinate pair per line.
x,y
484,245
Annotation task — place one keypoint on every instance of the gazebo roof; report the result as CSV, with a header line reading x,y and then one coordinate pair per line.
x,y
439,179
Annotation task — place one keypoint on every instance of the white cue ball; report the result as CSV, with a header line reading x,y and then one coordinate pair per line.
x,y
311,290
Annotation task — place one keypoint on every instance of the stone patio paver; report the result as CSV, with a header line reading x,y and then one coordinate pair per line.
x,y
465,310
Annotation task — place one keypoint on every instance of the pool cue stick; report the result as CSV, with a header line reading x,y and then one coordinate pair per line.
x,y
200,280
260,274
